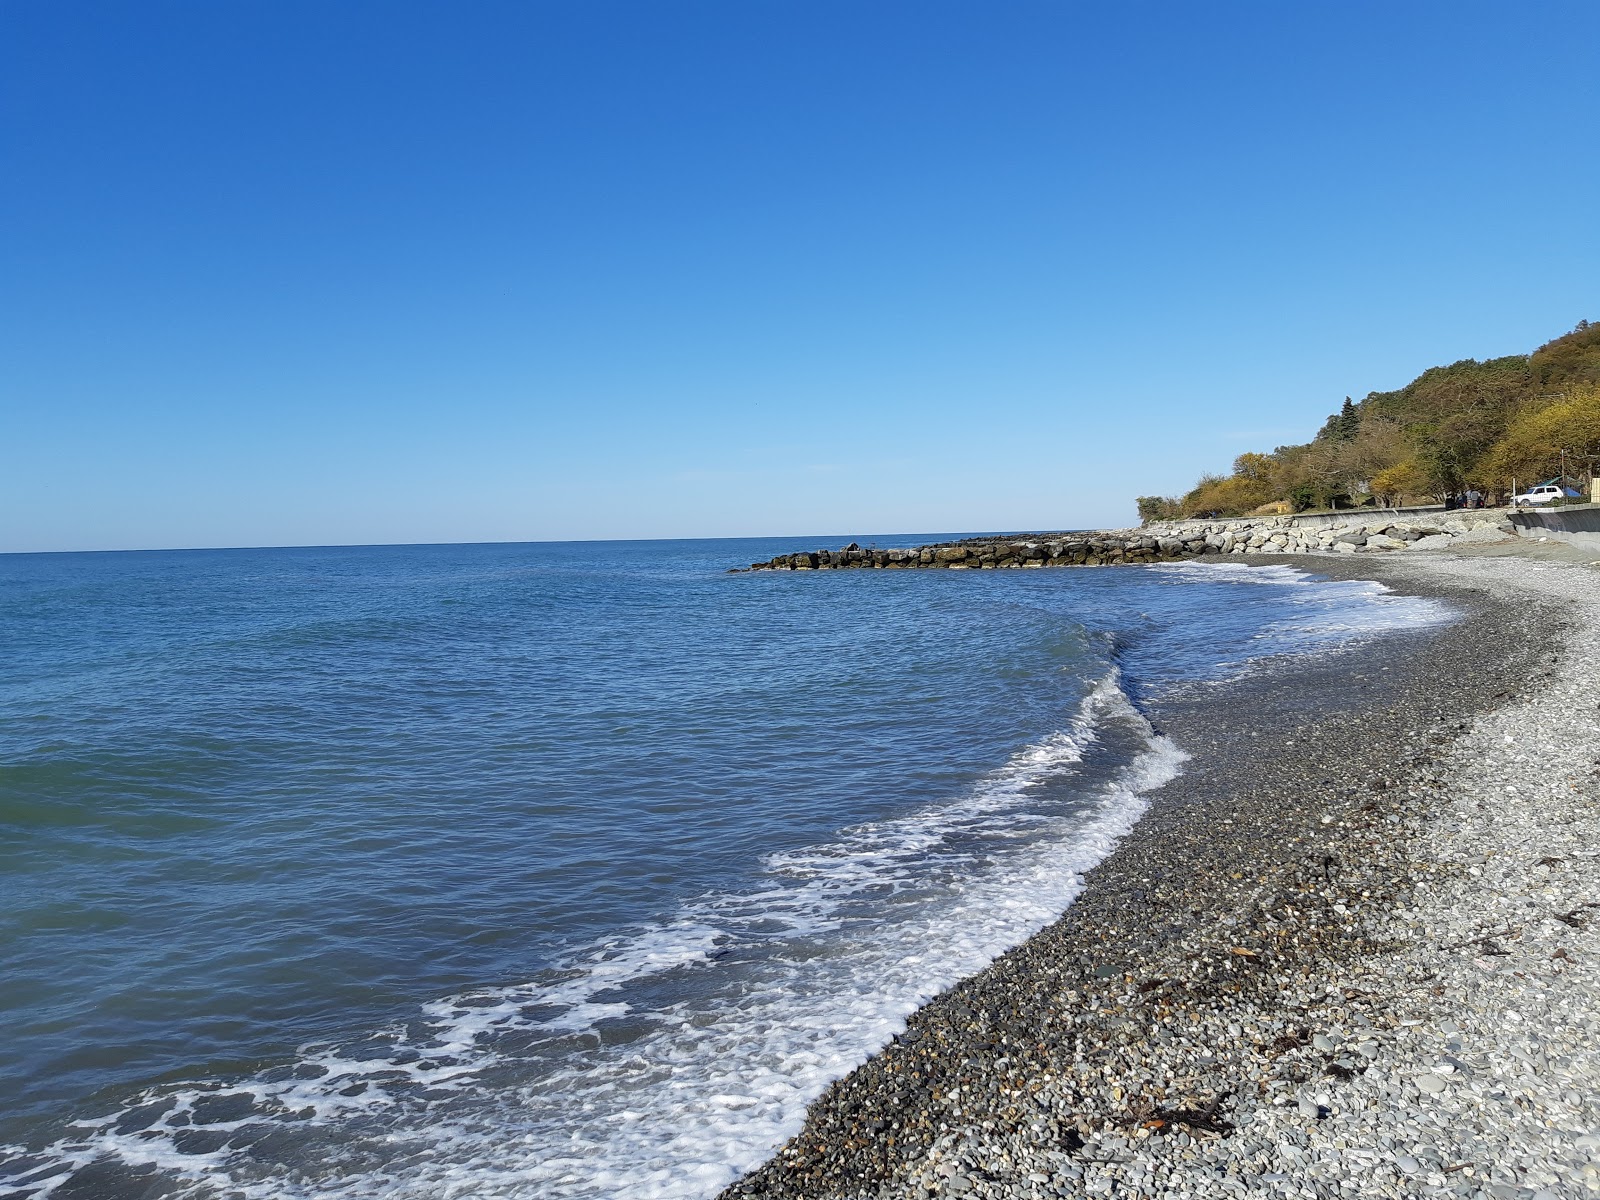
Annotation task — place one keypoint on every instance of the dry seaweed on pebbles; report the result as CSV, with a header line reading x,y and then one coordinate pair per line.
x,y
1353,950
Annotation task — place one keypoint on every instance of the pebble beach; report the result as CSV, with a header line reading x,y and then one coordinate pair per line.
x,y
1352,950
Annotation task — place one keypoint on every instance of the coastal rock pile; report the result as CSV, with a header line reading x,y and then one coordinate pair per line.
x,y
1053,550
1163,542
1361,533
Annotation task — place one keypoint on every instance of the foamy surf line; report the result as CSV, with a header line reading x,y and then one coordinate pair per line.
x,y
1333,614
671,1060
667,1062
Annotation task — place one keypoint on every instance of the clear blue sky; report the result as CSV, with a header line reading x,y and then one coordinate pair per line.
x,y
286,272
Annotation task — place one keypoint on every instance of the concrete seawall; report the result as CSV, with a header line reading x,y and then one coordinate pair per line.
x,y
1577,524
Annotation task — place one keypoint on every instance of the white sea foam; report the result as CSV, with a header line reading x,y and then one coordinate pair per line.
x,y
666,1062
1334,611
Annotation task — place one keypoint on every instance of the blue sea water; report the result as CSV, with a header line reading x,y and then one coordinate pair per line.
x,y
542,870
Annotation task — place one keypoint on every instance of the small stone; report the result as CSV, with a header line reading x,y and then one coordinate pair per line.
x,y
1429,1084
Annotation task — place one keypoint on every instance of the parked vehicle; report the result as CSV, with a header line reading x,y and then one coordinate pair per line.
x,y
1543,494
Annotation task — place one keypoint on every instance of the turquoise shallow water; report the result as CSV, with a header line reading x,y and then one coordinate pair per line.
x,y
546,869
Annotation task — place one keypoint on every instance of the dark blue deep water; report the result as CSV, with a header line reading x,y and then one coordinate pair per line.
x,y
541,870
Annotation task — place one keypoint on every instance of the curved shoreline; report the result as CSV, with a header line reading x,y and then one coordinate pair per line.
x,y
1249,910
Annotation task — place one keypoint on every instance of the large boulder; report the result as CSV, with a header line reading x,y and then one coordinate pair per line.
x,y
1433,541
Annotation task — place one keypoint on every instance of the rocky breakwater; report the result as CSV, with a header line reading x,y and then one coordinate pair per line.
x,y
1360,533
1162,542
971,554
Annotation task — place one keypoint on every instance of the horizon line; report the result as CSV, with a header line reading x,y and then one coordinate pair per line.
x,y
526,542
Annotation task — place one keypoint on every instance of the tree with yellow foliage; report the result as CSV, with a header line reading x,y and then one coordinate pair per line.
x,y
1467,424
1406,480
1533,443
1250,486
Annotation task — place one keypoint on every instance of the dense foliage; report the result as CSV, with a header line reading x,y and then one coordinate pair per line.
x,y
1482,425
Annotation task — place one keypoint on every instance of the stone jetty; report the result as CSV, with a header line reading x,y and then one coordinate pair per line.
x,y
1353,533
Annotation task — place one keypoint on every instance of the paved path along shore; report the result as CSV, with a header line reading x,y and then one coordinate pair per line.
x,y
1353,951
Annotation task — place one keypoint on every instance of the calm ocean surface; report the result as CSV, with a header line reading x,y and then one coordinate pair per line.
x,y
542,870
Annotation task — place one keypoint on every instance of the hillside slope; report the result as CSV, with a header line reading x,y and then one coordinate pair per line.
x,y
1471,424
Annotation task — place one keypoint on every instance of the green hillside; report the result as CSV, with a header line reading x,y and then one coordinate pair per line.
x,y
1472,424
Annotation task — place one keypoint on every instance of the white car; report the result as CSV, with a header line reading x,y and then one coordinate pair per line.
x,y
1542,494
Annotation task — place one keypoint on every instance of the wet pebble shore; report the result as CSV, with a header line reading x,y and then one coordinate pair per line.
x,y
1353,950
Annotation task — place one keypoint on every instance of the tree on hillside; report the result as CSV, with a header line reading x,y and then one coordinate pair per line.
x,y
1443,467
1257,468
1573,358
1377,445
1349,421
1341,426
1449,428
1405,480
1158,508
1533,446
1249,487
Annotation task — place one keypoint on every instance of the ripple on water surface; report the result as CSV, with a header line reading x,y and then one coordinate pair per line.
x,y
729,831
